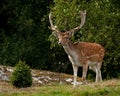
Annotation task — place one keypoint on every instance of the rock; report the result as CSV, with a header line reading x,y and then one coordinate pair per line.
x,y
68,80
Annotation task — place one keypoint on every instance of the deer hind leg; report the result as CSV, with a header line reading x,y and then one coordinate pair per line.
x,y
75,70
97,70
85,69
98,73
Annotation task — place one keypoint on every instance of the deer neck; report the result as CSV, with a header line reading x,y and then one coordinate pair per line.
x,y
69,48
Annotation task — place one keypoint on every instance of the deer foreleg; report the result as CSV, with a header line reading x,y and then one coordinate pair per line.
x,y
85,68
75,70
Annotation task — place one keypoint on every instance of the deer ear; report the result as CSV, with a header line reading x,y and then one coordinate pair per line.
x,y
56,34
70,33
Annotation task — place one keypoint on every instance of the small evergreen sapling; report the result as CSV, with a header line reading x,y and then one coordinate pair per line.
x,y
21,77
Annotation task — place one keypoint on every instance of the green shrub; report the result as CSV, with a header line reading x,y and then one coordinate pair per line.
x,y
21,77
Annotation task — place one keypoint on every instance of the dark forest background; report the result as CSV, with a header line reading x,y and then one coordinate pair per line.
x,y
24,32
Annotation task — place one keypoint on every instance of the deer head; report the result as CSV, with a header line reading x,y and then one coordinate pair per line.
x,y
64,37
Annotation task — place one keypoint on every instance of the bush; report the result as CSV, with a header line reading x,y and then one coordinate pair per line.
x,y
21,77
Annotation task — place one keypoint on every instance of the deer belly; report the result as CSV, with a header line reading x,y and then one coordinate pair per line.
x,y
91,63
74,60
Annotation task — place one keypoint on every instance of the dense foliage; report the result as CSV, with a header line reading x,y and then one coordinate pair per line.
x,y
21,77
24,32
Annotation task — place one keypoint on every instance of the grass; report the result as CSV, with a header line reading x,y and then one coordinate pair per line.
x,y
106,88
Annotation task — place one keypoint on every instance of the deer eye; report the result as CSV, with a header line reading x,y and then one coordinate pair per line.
x,y
66,38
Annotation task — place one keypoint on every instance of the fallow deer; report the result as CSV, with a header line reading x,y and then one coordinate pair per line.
x,y
81,53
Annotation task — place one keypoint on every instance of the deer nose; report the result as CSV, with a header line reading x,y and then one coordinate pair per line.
x,y
59,43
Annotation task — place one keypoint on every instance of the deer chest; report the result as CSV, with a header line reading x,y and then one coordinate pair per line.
x,y
74,59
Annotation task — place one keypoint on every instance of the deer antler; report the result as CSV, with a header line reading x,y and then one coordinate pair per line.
x,y
54,28
72,31
83,17
50,20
